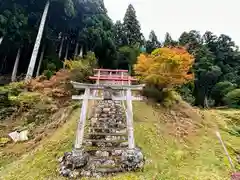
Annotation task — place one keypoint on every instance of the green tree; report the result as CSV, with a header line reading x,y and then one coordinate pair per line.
x,y
127,56
191,40
233,98
132,27
169,41
152,43
220,90
98,36
206,75
120,37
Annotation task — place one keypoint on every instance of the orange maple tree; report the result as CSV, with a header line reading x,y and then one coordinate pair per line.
x,y
165,67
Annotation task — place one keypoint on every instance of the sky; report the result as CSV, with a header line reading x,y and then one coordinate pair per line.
x,y
177,16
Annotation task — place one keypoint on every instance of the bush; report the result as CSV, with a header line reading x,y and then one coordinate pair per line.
x,y
88,62
166,97
4,141
50,71
39,113
81,68
29,99
220,90
48,74
13,88
233,98
171,98
186,91
51,67
153,93
235,131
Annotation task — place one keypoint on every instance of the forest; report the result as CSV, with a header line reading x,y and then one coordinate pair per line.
x,y
36,37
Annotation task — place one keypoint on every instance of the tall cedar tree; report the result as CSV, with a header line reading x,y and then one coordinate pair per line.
x,y
152,43
132,27
168,42
120,37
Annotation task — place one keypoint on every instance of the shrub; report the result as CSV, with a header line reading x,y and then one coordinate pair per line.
x,y
40,113
235,131
88,62
233,98
14,88
50,71
4,141
51,67
29,99
220,90
164,96
48,74
153,93
81,68
186,91
171,98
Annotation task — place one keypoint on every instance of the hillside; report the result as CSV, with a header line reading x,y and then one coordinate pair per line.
x,y
53,43
178,144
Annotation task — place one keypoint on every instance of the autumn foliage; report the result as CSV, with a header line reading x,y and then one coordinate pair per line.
x,y
55,86
165,67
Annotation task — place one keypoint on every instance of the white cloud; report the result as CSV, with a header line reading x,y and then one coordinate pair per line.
x,y
176,16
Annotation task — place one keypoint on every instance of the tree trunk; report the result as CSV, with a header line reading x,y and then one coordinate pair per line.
x,y
66,55
14,73
3,64
76,49
81,52
40,61
1,39
60,50
37,43
206,102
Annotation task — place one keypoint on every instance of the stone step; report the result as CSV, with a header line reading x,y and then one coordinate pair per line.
x,y
93,149
107,134
109,121
106,125
108,170
108,130
102,144
107,138
105,161
104,140
102,158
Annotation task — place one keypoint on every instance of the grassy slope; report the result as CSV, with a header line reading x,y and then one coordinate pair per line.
x,y
199,156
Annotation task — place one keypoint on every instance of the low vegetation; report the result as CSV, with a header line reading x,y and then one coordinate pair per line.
x,y
182,140
39,106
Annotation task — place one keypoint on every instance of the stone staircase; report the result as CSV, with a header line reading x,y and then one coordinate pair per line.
x,y
105,145
106,139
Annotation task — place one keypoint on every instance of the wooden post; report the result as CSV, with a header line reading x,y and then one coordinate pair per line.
x,y
81,124
97,82
225,150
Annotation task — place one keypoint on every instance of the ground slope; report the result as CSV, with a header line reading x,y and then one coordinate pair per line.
x,y
178,144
